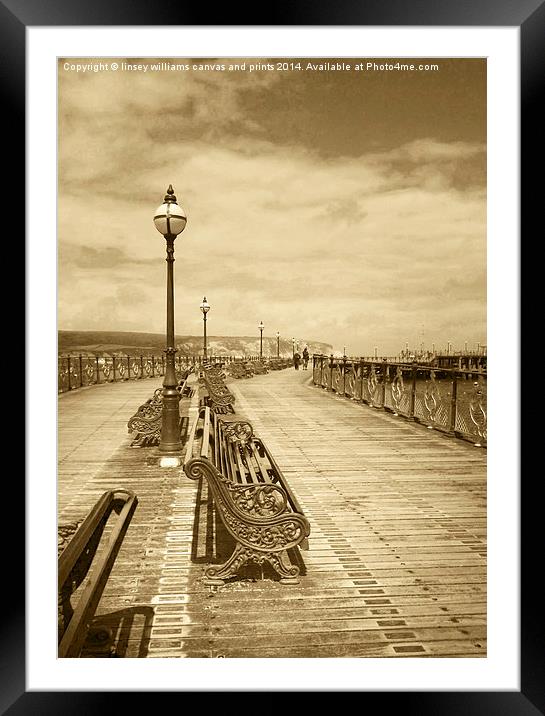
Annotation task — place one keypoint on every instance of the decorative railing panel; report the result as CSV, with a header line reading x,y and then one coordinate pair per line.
x,y
446,399
79,371
352,388
317,372
471,408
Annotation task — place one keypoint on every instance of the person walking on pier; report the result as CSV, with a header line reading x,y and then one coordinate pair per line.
x,y
305,358
296,360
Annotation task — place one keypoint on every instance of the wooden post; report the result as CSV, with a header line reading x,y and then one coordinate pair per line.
x,y
113,369
69,376
128,367
80,371
98,370
141,367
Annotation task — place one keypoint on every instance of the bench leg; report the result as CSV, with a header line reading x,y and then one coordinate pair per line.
x,y
218,575
288,572
241,555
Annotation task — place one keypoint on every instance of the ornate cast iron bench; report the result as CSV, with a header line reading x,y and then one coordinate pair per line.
x,y
84,569
260,368
146,422
240,369
251,495
218,396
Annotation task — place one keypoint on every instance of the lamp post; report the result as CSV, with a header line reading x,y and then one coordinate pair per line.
x,y
293,347
170,220
261,327
204,308
277,344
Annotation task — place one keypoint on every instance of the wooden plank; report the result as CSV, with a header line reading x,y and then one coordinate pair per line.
x,y
205,445
398,533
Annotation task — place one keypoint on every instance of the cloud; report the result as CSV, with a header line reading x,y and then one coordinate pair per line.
x,y
351,250
88,257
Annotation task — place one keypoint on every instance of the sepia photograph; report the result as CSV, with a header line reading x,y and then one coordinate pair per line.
x,y
272,357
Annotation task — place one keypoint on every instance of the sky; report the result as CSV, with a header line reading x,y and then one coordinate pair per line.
x,y
343,206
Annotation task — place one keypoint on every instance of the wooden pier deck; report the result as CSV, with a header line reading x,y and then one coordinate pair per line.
x,y
397,559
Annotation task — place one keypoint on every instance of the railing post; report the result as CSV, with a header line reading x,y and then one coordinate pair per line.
x,y
98,371
69,377
113,369
162,365
80,371
330,385
413,392
344,375
141,367
361,379
384,375
453,403
152,366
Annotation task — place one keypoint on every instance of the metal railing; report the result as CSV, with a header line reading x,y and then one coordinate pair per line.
x,y
446,399
79,371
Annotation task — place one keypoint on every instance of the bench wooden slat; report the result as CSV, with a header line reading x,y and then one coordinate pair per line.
x,y
253,467
263,466
236,470
191,442
244,477
205,434
217,451
293,500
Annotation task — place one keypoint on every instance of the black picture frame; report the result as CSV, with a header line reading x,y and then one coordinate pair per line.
x,y
529,16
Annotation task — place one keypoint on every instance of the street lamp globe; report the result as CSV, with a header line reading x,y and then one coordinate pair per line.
x,y
205,307
170,218
261,325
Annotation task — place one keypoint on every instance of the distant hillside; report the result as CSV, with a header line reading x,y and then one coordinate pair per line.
x,y
129,343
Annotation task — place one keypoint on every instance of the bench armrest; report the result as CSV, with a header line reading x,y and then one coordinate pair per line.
x,y
275,532
86,539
